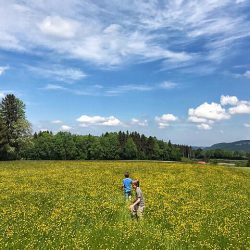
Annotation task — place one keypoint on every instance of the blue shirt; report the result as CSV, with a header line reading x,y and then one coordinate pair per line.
x,y
127,184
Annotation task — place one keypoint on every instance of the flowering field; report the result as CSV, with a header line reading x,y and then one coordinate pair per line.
x,y
79,205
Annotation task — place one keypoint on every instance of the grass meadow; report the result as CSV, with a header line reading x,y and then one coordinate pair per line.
x,y
79,205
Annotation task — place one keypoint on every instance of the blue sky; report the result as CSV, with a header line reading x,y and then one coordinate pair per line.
x,y
177,70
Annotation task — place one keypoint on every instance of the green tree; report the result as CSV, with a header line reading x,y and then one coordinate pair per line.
x,y
43,146
130,149
96,151
111,146
3,140
64,146
15,129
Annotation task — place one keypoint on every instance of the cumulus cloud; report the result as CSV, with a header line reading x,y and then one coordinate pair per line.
x,y
243,107
204,126
196,119
247,125
138,122
206,114
3,69
165,120
228,100
65,128
207,111
86,121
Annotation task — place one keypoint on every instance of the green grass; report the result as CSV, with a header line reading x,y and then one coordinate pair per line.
x,y
79,205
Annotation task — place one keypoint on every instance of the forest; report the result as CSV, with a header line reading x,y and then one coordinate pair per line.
x,y
18,142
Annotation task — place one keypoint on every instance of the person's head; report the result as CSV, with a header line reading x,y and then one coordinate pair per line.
x,y
135,184
126,174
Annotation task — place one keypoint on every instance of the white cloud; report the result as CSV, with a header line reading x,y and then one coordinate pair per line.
x,y
9,42
165,120
111,121
212,111
83,30
247,125
196,119
56,122
240,1
138,122
243,107
204,126
127,88
86,121
247,74
168,85
59,73
228,100
54,87
112,33
65,128
3,69
58,27
206,114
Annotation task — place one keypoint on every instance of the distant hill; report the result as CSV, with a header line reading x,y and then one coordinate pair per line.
x,y
243,145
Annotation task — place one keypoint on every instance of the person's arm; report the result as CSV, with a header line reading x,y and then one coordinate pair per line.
x,y
137,201
122,187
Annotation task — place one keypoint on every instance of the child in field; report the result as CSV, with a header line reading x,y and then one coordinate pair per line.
x,y
138,205
127,186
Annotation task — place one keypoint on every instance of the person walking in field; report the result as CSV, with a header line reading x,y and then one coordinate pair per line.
x,y
127,186
138,205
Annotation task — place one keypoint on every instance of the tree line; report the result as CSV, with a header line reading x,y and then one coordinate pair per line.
x,y
109,146
18,142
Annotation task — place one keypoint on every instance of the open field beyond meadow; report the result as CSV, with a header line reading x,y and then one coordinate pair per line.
x,y
79,205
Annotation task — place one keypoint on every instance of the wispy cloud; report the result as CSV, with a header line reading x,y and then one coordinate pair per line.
x,y
153,30
58,27
100,90
247,74
127,88
59,73
3,69
54,87
167,85
56,122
